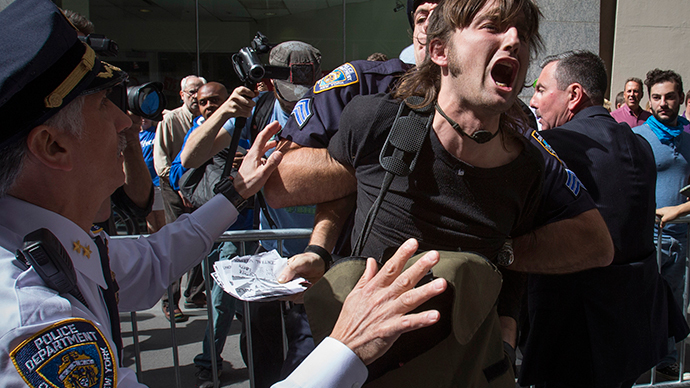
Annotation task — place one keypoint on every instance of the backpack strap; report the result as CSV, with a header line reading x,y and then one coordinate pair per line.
x,y
260,119
399,154
262,113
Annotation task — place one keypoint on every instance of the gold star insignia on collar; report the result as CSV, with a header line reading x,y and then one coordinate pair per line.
x,y
87,251
84,250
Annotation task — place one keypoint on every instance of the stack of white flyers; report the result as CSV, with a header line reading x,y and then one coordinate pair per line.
x,y
252,278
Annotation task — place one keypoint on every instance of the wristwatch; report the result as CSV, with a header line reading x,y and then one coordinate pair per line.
x,y
323,254
226,187
505,256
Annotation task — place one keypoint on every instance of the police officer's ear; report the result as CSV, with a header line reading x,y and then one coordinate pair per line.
x,y
50,146
438,52
576,97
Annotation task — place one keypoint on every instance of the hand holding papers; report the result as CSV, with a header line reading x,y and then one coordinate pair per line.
x,y
255,278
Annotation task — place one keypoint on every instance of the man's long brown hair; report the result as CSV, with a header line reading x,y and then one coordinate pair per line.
x,y
449,15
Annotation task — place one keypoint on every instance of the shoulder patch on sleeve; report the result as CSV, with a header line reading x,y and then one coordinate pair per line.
x,y
303,111
573,182
546,145
72,353
95,229
342,76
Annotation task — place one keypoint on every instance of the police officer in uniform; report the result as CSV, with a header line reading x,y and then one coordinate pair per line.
x,y
566,210
62,144
606,326
61,150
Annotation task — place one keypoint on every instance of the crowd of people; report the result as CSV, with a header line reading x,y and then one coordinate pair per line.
x,y
452,223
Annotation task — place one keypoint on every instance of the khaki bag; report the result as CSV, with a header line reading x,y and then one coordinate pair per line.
x,y
463,349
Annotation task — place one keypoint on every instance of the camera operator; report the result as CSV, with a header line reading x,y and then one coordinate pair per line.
x,y
304,63
136,196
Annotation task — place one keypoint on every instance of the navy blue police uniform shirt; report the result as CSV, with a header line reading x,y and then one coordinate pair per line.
x,y
316,118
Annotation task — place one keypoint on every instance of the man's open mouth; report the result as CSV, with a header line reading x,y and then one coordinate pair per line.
x,y
504,72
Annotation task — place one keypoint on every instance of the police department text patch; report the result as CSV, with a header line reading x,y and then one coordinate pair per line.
x,y
302,111
342,76
69,354
544,144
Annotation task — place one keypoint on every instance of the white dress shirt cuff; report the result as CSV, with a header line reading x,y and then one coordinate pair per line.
x,y
331,364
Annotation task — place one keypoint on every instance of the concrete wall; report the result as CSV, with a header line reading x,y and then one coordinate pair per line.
x,y
567,25
651,34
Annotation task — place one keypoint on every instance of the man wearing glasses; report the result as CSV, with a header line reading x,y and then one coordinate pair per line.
x,y
167,144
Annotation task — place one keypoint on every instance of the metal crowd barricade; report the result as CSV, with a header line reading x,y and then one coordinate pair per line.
x,y
283,234
686,292
241,237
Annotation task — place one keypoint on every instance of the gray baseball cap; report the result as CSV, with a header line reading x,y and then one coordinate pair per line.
x,y
304,61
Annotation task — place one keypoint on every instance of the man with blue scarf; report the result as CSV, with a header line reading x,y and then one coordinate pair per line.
x,y
671,148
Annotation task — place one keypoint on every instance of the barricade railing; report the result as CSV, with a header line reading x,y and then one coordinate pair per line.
x,y
686,291
245,236
241,237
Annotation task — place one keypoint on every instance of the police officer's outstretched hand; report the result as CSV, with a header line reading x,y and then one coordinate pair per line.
x,y
375,312
255,169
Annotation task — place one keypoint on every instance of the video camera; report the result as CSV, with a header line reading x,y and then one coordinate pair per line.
x,y
248,66
147,100
250,70
103,46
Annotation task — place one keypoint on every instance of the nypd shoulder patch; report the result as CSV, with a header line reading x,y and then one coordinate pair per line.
x,y
344,75
303,111
539,138
573,182
69,354
95,229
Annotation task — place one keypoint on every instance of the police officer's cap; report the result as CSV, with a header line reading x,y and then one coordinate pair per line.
x,y
43,66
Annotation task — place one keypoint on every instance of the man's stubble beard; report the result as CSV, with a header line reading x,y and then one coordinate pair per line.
x,y
454,67
668,121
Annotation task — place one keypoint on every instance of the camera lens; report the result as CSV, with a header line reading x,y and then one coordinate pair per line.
x,y
256,73
146,100
149,101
